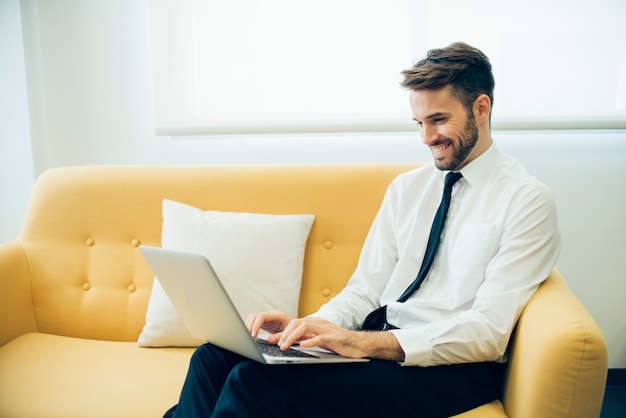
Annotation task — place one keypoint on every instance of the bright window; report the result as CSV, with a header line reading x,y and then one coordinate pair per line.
x,y
333,65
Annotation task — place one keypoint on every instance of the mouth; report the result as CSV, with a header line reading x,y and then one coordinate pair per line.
x,y
438,149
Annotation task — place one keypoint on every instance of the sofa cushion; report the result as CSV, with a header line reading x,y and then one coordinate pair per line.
x,y
258,257
52,376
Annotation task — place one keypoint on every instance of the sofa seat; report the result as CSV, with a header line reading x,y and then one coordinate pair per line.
x,y
39,370
124,380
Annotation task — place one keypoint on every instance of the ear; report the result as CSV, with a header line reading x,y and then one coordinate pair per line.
x,y
482,108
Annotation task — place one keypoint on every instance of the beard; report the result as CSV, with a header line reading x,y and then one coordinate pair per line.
x,y
466,144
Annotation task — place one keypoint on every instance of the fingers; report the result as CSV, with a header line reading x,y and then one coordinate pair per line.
x,y
291,334
250,324
286,331
316,332
302,329
272,322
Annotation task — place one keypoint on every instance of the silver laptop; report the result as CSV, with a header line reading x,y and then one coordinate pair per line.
x,y
209,315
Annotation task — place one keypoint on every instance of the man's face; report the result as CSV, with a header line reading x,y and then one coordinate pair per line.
x,y
446,128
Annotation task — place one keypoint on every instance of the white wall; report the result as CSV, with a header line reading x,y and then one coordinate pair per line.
x,y
89,65
16,165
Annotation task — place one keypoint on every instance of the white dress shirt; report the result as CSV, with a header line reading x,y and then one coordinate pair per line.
x,y
500,241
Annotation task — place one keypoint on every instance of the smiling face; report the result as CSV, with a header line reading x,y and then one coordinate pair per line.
x,y
455,135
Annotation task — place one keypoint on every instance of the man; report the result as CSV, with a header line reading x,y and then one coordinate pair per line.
x,y
441,349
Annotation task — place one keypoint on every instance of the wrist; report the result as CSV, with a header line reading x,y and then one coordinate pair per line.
x,y
381,345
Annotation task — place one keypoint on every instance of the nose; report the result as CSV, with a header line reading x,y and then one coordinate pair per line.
x,y
429,134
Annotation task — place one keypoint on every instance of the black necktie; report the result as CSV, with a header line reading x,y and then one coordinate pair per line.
x,y
377,320
434,237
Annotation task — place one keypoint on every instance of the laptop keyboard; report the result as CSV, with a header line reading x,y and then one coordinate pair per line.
x,y
274,351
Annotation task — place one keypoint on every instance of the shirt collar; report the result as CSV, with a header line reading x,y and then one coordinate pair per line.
x,y
476,171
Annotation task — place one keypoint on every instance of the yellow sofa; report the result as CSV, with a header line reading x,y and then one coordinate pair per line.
x,y
74,290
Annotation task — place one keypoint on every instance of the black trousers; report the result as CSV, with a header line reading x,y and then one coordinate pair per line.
x,y
220,383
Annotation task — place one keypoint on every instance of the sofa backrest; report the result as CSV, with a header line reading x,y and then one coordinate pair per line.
x,y
84,225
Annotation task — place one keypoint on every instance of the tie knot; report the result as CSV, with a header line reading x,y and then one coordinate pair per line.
x,y
451,178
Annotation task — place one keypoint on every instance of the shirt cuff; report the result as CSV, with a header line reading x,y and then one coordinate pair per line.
x,y
416,346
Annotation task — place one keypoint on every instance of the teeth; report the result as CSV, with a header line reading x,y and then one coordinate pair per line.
x,y
440,148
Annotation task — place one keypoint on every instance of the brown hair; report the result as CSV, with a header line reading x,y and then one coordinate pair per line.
x,y
462,67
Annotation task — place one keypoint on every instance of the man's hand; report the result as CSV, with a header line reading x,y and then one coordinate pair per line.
x,y
273,322
317,332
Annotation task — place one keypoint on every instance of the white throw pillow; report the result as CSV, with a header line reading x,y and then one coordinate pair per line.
x,y
258,257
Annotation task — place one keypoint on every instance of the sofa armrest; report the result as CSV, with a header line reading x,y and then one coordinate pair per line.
x,y
17,314
558,363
